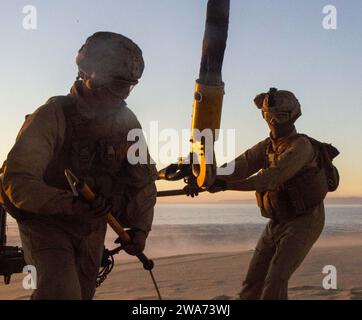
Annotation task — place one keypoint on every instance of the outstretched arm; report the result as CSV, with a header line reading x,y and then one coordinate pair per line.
x,y
299,154
245,165
248,163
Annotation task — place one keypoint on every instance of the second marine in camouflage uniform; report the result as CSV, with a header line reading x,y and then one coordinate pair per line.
x,y
283,170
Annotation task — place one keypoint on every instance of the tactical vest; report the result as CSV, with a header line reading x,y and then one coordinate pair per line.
x,y
90,152
300,194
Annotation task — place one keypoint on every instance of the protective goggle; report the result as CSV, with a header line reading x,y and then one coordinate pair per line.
x,y
115,86
119,85
276,117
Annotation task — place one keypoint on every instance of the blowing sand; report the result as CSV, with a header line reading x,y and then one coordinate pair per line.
x,y
219,275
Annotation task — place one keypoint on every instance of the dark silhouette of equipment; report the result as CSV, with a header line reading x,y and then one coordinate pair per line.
x,y
11,258
199,169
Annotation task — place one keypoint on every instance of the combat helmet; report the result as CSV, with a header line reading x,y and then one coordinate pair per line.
x,y
278,106
111,60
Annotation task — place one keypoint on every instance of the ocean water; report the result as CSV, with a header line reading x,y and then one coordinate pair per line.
x,y
196,228
184,229
346,217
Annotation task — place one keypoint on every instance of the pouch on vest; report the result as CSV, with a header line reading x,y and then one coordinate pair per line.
x,y
306,190
310,186
263,201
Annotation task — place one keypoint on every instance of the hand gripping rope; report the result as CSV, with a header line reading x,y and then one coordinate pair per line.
x,y
80,186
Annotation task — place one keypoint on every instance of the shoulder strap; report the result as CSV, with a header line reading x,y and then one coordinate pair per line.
x,y
76,124
330,151
77,141
268,143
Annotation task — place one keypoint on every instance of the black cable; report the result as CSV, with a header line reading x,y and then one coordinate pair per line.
x,y
107,267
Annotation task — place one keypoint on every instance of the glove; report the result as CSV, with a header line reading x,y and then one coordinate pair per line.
x,y
191,190
95,209
137,244
217,186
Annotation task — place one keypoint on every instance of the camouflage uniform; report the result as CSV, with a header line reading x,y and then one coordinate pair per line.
x,y
285,242
282,170
66,249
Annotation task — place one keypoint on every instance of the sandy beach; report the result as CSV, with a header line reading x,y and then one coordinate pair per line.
x,y
218,275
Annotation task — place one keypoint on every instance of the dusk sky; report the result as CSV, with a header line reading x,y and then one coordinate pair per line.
x,y
279,43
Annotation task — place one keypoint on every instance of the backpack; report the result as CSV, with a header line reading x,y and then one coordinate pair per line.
x,y
326,155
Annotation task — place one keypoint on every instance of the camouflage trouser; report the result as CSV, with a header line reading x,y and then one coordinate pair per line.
x,y
279,252
67,265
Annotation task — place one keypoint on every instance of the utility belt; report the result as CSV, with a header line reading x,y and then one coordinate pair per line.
x,y
296,197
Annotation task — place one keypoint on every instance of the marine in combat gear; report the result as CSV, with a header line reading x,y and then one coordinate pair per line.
x,y
290,183
85,131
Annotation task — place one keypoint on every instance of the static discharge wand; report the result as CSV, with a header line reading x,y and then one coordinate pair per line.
x,y
79,186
